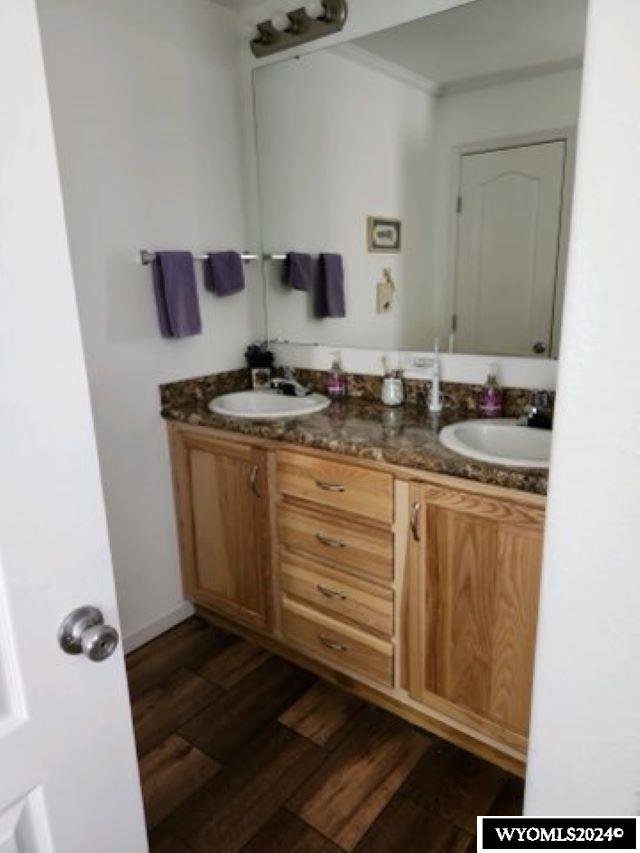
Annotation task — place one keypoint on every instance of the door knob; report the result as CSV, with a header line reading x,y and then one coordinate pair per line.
x,y
84,632
539,347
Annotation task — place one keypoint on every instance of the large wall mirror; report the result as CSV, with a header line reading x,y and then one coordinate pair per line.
x,y
436,158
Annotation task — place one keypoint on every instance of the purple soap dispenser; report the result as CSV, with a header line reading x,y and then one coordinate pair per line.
x,y
490,398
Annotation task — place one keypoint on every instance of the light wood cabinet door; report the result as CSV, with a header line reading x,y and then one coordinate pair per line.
x,y
472,603
223,516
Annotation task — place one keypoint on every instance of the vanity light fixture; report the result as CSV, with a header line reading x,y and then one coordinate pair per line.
x,y
284,30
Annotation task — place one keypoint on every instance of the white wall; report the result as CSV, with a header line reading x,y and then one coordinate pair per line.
x,y
149,124
547,102
339,141
584,756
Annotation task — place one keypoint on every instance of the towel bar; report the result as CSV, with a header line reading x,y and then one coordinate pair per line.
x,y
147,257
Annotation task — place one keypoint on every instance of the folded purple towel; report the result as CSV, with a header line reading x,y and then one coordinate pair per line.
x,y
224,275
329,301
297,271
174,284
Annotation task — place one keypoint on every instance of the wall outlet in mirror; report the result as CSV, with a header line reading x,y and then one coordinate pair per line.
x,y
385,292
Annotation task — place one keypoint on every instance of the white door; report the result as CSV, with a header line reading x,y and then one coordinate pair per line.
x,y
508,249
68,774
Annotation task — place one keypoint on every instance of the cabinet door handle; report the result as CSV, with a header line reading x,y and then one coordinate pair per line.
x,y
253,480
329,542
415,512
331,644
330,593
330,487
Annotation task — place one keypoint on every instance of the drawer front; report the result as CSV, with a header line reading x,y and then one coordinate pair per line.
x,y
338,595
344,544
348,488
337,644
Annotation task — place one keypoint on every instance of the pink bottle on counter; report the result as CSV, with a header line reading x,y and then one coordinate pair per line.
x,y
490,398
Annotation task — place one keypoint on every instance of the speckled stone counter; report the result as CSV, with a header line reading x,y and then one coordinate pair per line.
x,y
363,428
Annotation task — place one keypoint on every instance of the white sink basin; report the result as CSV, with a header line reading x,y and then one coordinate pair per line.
x,y
267,405
500,441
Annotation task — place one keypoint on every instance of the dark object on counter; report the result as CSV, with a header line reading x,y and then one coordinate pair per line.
x,y
174,284
540,420
297,271
539,412
259,356
329,295
224,275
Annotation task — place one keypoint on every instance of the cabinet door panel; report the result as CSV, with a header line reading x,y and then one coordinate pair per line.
x,y
514,626
223,514
461,574
473,592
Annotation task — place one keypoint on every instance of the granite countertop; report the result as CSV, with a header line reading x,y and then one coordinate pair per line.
x,y
407,436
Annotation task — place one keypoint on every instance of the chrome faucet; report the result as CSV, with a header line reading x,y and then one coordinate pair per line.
x,y
289,385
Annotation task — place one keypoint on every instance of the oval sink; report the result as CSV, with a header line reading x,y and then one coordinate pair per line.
x,y
267,405
500,441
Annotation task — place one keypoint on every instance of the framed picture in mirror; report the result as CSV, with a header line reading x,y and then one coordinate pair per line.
x,y
383,234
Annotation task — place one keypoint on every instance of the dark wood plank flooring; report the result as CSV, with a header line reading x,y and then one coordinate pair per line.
x,y
241,750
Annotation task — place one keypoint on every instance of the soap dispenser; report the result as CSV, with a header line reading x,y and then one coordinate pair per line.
x,y
392,387
336,382
490,398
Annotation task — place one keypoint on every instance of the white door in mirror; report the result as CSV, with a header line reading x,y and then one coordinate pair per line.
x,y
500,441
508,245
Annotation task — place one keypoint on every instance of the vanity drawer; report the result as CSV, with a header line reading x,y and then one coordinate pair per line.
x,y
344,544
340,645
348,488
337,595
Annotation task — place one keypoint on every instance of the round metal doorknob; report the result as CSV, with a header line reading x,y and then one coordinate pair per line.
x,y
84,632
539,347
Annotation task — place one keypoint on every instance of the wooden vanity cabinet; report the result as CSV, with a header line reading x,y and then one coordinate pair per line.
x,y
222,503
473,573
416,591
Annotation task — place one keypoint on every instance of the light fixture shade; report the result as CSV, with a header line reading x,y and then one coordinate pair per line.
x,y
315,9
251,32
280,21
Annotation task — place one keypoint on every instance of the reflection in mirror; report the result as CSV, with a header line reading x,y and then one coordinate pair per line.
x,y
436,158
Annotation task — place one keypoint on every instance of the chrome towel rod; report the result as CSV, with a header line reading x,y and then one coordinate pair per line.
x,y
147,257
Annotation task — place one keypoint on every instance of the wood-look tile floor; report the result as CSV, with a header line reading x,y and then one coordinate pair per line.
x,y
241,750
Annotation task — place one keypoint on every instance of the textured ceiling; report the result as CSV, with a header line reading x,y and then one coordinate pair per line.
x,y
484,38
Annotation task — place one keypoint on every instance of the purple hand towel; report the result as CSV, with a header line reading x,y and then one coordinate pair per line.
x,y
329,300
297,271
174,283
224,275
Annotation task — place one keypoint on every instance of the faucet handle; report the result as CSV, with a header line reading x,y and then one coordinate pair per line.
x,y
541,400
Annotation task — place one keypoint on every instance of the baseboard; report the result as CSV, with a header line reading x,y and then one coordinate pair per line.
x,y
157,627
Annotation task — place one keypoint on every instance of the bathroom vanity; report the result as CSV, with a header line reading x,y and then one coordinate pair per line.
x,y
371,555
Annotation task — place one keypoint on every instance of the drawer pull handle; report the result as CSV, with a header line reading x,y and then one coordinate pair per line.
x,y
253,480
330,593
330,487
415,511
329,542
331,644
